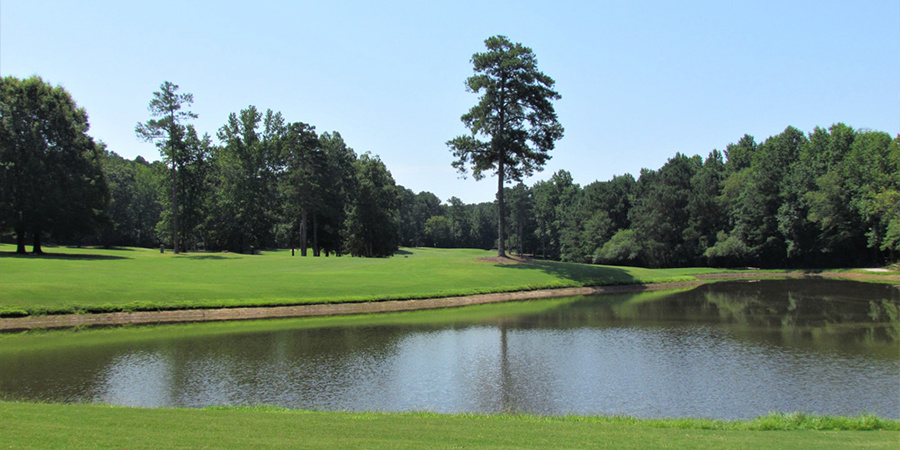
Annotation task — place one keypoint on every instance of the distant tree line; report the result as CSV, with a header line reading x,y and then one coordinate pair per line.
x,y
268,183
830,198
827,198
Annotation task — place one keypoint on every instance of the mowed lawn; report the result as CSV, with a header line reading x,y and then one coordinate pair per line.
x,y
69,279
29,425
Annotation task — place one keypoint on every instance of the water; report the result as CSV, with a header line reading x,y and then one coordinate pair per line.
x,y
726,350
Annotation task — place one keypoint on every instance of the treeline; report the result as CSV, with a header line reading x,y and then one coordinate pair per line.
x,y
270,184
829,198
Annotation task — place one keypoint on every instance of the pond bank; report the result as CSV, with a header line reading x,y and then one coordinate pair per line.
x,y
371,307
312,310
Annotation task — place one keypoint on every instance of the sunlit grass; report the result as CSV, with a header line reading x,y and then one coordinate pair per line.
x,y
98,280
30,425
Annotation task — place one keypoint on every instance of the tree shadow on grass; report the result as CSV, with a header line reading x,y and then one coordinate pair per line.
x,y
205,256
582,274
50,255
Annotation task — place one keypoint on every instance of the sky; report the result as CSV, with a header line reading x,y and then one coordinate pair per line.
x,y
639,80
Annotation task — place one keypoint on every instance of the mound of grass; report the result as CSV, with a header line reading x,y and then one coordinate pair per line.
x,y
70,280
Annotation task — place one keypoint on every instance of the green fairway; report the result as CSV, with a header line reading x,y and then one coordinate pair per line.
x,y
29,425
96,280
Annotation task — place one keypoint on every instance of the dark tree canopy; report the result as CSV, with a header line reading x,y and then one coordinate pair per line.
x,y
372,213
514,125
51,179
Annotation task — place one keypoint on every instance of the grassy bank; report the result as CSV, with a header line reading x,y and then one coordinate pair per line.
x,y
28,425
94,280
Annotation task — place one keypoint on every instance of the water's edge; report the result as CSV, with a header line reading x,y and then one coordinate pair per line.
x,y
314,310
376,306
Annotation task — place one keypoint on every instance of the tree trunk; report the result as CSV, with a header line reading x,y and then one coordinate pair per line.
x,y
519,228
174,206
543,242
315,241
501,210
303,232
20,242
36,245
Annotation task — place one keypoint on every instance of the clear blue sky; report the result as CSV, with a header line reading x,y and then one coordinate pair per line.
x,y
640,80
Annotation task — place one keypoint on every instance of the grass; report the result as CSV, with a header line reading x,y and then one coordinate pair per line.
x,y
67,280
30,425
41,340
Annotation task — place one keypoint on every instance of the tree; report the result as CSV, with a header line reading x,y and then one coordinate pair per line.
x,y
438,232
513,126
871,171
247,165
595,214
521,213
460,225
373,216
51,180
706,217
194,175
482,217
415,210
303,179
740,155
168,133
556,204
660,213
134,207
764,194
340,173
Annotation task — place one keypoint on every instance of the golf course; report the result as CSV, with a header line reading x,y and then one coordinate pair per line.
x,y
68,280
88,280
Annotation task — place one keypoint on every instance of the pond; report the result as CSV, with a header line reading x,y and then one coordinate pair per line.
x,y
726,350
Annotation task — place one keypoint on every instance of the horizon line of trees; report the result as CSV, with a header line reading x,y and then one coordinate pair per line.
x,y
268,183
827,198
830,198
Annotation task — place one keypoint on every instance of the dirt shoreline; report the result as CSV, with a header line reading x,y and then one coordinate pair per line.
x,y
314,310
333,309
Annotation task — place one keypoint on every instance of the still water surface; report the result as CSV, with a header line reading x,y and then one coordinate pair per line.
x,y
726,350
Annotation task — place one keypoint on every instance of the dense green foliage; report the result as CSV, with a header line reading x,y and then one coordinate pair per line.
x,y
95,280
27,425
50,176
269,184
257,189
831,198
827,198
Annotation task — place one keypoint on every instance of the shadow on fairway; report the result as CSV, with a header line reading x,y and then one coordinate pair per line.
x,y
205,256
580,273
85,257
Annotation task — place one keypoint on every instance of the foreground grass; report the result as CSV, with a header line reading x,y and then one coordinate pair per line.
x,y
95,280
30,425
